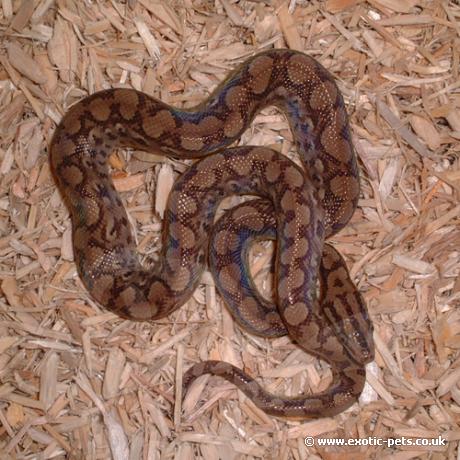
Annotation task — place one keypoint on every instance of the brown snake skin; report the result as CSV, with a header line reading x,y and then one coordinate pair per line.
x,y
297,207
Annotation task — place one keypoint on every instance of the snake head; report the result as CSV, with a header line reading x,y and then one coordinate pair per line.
x,y
355,333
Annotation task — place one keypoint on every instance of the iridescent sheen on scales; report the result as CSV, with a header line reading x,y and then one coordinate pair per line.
x,y
299,207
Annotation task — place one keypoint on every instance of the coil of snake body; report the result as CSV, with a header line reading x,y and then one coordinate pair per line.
x,y
297,207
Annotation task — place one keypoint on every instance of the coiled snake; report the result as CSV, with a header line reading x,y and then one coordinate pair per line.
x,y
298,207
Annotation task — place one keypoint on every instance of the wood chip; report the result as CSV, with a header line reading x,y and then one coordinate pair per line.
x,y
76,381
22,16
148,39
24,64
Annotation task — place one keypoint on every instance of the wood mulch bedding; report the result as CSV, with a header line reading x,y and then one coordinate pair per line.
x,y
78,382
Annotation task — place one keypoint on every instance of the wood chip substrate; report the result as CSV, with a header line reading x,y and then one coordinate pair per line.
x,y
77,382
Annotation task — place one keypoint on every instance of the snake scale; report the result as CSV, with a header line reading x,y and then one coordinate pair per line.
x,y
299,207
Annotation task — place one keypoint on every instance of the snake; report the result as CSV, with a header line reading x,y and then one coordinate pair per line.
x,y
317,304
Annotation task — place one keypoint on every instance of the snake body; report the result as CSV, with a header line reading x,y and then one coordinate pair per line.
x,y
297,207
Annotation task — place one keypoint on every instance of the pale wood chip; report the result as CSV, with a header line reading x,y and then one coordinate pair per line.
x,y
128,183
396,124
164,13
288,28
23,15
48,380
165,181
113,371
62,50
413,264
148,39
25,64
426,131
